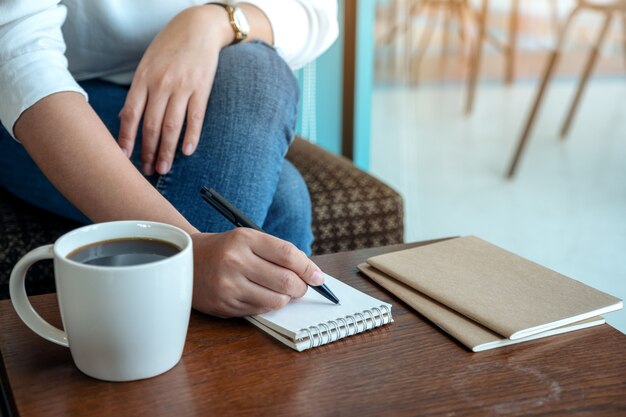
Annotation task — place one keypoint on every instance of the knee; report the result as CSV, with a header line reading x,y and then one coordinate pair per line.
x,y
255,79
289,216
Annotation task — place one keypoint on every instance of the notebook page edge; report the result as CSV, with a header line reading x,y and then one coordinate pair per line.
x,y
556,324
553,332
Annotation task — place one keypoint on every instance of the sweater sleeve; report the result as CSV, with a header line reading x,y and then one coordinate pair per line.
x,y
303,29
32,60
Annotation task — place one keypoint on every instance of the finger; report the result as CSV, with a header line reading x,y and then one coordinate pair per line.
x,y
258,299
276,278
195,119
287,255
151,131
130,115
170,132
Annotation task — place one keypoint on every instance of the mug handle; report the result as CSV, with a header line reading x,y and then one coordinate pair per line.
x,y
20,301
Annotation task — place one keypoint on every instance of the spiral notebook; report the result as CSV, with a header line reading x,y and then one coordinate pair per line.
x,y
313,321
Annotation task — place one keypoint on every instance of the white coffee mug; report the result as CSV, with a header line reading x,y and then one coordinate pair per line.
x,y
121,323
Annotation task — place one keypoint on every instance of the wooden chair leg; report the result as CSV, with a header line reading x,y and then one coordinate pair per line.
x,y
554,17
465,15
401,45
554,57
476,57
624,35
393,26
424,41
447,23
521,143
512,42
457,12
591,60
412,9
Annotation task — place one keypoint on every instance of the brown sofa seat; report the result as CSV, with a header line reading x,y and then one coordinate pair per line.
x,y
351,210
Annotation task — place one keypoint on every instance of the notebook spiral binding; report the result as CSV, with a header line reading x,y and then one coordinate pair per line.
x,y
346,326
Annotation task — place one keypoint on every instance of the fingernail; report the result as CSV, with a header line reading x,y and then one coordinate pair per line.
x,y
126,152
147,169
163,167
189,149
317,278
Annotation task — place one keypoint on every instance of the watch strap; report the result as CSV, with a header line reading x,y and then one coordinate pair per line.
x,y
239,34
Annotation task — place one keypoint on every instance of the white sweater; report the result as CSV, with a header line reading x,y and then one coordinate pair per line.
x,y
46,45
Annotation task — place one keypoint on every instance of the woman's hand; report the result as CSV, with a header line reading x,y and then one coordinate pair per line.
x,y
172,85
244,272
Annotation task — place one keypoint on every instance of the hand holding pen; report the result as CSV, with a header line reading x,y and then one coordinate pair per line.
x,y
243,272
236,217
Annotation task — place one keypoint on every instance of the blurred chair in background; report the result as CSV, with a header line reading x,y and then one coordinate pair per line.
x,y
461,14
507,48
401,18
609,9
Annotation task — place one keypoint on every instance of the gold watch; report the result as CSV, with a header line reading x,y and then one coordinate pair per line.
x,y
238,21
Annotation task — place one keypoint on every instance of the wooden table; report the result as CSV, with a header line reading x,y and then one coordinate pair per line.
x,y
410,367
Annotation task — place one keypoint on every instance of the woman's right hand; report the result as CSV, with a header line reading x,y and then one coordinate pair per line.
x,y
244,272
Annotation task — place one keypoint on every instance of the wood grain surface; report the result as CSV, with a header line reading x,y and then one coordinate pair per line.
x,y
409,367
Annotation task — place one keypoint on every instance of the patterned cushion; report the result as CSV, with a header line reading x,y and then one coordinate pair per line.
x,y
24,227
351,210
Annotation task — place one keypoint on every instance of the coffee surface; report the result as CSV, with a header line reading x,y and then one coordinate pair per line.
x,y
124,252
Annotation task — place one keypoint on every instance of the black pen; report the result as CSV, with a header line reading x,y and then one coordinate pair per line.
x,y
236,217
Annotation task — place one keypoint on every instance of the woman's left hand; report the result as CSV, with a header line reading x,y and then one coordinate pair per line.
x,y
172,85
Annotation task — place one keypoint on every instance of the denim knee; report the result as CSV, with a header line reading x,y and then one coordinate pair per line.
x,y
255,82
289,216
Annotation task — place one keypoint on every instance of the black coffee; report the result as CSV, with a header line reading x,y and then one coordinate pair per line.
x,y
124,252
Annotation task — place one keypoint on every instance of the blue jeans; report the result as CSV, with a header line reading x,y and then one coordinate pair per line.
x,y
247,130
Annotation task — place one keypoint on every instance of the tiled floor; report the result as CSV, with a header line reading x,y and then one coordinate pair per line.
x,y
565,209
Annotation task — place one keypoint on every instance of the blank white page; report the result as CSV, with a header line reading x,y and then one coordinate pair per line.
x,y
313,309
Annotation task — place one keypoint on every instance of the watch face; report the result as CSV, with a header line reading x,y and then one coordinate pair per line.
x,y
241,21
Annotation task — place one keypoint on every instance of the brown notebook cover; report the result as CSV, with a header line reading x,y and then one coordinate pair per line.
x,y
474,336
504,292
